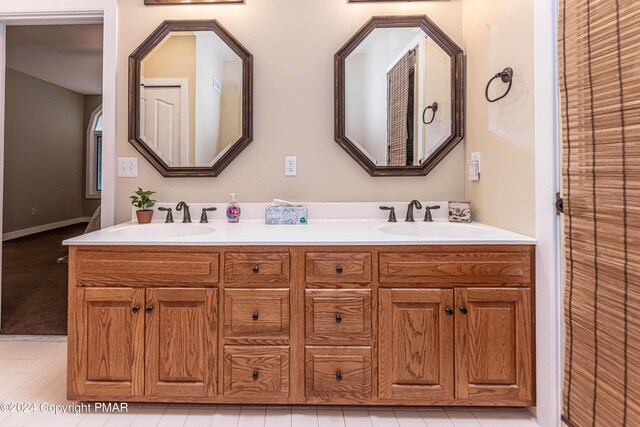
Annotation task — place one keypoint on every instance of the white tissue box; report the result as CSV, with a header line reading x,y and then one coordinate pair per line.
x,y
285,215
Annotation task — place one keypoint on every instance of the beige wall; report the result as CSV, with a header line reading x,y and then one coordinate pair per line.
x,y
91,102
293,43
44,140
495,37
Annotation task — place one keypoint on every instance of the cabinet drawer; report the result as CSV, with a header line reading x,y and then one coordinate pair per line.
x,y
140,267
448,268
256,315
246,268
338,316
342,267
338,373
256,371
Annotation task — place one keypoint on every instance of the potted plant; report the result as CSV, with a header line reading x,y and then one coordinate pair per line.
x,y
143,202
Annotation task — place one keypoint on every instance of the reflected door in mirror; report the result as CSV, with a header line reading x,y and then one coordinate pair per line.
x,y
191,92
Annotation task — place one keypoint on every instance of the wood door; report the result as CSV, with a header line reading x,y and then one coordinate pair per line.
x,y
181,342
494,345
416,344
108,343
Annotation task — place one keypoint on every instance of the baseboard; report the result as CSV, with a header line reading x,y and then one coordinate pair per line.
x,y
45,227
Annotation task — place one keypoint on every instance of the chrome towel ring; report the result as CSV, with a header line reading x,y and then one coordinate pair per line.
x,y
506,76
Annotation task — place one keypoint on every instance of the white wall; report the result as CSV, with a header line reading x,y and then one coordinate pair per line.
x,y
496,37
208,66
293,43
438,89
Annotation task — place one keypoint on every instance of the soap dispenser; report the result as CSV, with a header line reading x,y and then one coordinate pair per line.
x,y
233,210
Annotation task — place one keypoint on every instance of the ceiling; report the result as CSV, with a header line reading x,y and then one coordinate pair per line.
x,y
65,55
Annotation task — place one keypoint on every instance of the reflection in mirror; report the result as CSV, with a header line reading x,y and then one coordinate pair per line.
x,y
191,98
398,96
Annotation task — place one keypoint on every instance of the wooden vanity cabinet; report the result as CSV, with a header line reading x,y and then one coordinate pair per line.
x,y
494,352
372,325
416,346
134,342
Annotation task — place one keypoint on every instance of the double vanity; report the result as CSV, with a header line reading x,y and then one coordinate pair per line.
x,y
342,310
338,311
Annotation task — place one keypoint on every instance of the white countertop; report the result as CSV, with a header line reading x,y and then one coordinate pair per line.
x,y
316,232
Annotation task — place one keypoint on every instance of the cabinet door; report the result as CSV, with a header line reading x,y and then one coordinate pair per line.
x,y
181,348
493,345
416,344
107,343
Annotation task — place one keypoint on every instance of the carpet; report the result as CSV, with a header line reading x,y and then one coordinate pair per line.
x,y
34,286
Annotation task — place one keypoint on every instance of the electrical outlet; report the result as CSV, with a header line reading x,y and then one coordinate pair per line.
x,y
290,165
127,167
34,212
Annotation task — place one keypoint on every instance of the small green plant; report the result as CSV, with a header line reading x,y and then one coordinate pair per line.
x,y
141,200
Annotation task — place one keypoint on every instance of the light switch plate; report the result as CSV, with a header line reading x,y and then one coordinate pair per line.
x,y
127,167
473,173
476,156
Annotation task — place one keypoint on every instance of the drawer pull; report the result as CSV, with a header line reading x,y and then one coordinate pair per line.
x,y
255,375
463,309
255,316
149,309
256,269
339,269
448,311
338,376
136,309
338,318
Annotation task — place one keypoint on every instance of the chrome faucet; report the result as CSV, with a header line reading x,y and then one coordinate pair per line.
x,y
409,217
427,212
187,215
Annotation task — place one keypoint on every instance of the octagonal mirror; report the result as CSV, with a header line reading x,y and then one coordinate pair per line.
x,y
399,100
190,98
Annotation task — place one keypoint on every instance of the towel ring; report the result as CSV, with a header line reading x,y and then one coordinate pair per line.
x,y
434,108
506,76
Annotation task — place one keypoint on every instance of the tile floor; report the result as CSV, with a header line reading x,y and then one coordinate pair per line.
x,y
35,372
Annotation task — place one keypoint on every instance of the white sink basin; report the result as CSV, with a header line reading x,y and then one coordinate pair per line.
x,y
437,230
161,231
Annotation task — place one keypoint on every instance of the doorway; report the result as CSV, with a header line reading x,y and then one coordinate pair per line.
x,y
52,169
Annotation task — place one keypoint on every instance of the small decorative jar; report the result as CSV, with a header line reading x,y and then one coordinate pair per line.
x,y
459,212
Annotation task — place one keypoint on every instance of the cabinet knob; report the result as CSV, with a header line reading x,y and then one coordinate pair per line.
x,y
339,269
448,311
338,376
149,309
255,375
463,309
136,309
256,269
255,316
338,318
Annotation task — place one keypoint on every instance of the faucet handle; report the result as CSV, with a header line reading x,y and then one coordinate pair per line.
x,y
427,213
169,212
203,217
392,212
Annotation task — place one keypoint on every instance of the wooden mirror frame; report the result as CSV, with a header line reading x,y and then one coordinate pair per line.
x,y
168,2
457,95
135,61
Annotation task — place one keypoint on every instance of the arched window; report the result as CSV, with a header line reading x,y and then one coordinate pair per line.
x,y
94,156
